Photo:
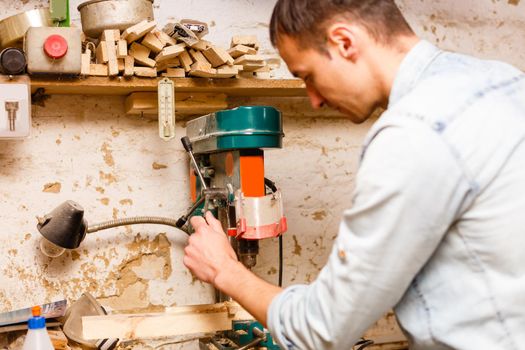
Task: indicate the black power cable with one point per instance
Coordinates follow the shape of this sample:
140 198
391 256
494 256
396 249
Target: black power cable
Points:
280 260
271 186
363 343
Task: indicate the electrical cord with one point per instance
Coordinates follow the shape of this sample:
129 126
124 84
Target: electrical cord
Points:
272 187
270 184
363 343
281 261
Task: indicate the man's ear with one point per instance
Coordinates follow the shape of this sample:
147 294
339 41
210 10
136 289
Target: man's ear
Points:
342 38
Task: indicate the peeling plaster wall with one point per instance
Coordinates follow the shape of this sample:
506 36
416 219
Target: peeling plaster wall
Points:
87 149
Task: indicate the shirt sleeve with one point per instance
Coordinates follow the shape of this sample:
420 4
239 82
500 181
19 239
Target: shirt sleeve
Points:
409 190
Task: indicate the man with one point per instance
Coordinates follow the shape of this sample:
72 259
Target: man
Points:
437 224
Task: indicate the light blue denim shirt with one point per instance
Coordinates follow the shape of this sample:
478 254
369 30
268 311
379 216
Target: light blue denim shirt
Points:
437 225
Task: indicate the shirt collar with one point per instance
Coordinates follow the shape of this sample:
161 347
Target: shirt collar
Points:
412 67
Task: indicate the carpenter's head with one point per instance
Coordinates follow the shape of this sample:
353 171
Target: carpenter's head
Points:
342 49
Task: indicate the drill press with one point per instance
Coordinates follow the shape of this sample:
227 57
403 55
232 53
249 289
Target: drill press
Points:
227 176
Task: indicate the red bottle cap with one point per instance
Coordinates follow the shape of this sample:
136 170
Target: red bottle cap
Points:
55 46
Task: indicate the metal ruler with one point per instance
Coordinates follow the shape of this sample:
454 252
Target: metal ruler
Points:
166 92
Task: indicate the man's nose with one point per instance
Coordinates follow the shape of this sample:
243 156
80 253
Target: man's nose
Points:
316 99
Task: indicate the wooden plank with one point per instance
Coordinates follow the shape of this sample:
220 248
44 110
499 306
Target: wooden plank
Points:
249 59
112 58
110 35
179 321
227 71
171 63
246 40
138 31
186 61
152 42
202 70
122 48
145 72
198 57
98 70
201 45
85 62
164 38
141 54
174 73
102 52
295 107
218 56
129 66
105 86
241 50
139 103
170 52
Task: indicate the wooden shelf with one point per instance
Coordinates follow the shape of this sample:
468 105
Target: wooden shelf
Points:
124 86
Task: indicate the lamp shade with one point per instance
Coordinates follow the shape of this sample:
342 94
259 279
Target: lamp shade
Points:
65 226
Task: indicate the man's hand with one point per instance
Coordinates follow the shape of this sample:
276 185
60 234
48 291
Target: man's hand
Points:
209 252
210 257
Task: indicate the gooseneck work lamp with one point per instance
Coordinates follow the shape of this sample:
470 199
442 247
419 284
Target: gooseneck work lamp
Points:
65 227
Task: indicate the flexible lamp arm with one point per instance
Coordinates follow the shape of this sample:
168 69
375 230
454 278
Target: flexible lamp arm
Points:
132 221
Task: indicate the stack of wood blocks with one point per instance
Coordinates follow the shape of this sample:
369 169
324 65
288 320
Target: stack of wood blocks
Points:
143 50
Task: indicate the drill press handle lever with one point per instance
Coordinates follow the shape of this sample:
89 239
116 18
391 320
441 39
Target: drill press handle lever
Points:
186 143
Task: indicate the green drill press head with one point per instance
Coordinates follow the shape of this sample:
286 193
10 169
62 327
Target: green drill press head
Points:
251 127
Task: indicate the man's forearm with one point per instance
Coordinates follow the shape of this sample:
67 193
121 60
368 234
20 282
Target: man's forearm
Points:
251 292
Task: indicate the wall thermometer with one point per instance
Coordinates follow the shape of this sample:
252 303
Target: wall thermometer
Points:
166 92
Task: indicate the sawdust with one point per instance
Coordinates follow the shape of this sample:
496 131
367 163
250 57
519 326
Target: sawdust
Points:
514 2
104 201
58 141
100 190
28 236
54 187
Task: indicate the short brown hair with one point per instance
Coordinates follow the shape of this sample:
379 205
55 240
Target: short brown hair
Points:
307 20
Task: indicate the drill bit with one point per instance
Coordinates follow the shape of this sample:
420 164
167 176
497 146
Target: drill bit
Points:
11 107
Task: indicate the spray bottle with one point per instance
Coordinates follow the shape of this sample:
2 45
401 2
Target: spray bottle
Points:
37 337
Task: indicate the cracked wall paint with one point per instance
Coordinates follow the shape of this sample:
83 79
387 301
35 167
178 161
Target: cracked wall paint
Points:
88 150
